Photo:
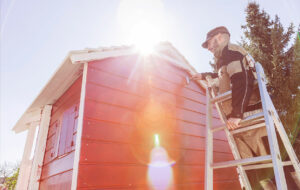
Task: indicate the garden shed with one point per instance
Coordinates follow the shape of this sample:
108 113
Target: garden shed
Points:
112 118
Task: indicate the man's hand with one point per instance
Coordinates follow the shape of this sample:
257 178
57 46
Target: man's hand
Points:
233 123
197 76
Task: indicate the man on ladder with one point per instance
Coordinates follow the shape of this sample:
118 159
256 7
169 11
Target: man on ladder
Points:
236 72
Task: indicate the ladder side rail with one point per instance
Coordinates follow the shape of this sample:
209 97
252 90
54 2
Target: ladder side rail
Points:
273 143
288 146
236 155
209 144
285 139
241 171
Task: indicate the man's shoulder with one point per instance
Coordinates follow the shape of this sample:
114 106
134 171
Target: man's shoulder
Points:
237 48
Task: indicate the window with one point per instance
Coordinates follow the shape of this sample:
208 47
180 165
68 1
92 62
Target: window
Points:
68 130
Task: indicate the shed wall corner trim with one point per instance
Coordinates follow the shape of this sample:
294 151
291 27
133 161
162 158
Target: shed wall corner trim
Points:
79 128
40 148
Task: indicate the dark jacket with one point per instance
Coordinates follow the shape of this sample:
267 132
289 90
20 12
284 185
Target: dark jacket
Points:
233 58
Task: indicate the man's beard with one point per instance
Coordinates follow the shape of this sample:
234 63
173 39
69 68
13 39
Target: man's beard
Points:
218 48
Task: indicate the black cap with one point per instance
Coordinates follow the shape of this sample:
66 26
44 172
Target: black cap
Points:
213 32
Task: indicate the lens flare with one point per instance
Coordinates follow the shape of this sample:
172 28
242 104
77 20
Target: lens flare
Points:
160 173
156 140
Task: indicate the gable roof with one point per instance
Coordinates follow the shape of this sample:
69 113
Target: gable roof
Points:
71 68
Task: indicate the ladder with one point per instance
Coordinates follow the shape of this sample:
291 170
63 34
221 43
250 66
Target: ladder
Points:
267 118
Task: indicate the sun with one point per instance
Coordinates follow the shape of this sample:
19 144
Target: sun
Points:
142 23
145 36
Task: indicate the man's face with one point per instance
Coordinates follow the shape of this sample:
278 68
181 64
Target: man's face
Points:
213 45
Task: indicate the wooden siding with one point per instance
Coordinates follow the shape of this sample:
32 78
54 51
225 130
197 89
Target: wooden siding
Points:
128 100
59 155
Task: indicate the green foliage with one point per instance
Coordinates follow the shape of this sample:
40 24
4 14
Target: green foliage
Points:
270 44
295 73
11 182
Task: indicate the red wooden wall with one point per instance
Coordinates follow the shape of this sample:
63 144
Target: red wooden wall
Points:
59 156
128 100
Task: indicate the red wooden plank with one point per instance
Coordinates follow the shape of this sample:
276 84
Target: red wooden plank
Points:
58 165
104 131
52 144
107 153
116 97
111 96
142 86
134 154
51 141
117 132
115 82
173 74
181 102
52 128
190 116
232 185
130 66
58 182
108 113
125 66
166 70
108 176
145 136
127 116
48 156
176 89
195 173
74 141
196 130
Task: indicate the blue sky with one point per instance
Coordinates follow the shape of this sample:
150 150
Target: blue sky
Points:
37 35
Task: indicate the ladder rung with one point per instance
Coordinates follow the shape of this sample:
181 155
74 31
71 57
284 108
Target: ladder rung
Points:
266 165
221 97
245 122
242 162
243 129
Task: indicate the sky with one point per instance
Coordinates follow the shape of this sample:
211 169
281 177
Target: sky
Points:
36 35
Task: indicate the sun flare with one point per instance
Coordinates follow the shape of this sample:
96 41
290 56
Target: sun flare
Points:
142 23
145 36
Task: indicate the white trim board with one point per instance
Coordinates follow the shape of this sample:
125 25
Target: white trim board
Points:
36 169
79 129
26 163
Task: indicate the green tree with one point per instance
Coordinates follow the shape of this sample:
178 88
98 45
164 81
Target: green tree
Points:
270 44
295 72
11 182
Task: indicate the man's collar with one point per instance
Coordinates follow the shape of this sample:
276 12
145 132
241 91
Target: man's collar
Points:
224 50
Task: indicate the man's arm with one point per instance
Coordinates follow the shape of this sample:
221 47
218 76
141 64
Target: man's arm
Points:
202 76
213 75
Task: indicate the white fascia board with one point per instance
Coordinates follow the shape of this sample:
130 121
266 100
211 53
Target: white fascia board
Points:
91 56
60 81
27 119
